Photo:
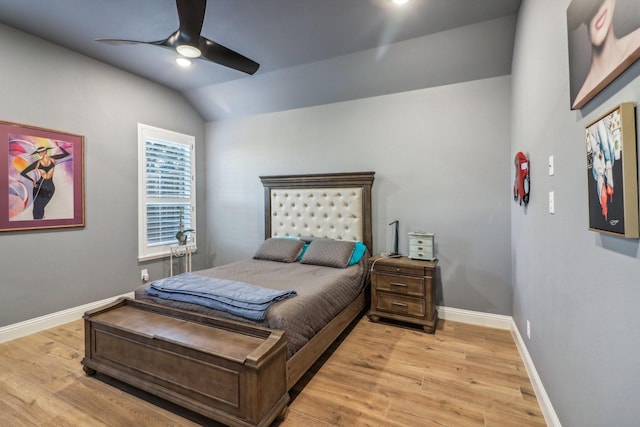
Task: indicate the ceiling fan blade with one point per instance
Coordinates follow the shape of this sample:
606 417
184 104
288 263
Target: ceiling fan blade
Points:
191 16
119 41
224 56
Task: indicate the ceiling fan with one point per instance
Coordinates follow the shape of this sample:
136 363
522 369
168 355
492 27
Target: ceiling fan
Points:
188 41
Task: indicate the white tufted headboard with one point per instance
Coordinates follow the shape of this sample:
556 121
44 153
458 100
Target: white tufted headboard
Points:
336 206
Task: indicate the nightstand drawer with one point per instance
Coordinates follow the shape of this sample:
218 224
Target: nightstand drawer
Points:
421 252
401 305
399 284
418 271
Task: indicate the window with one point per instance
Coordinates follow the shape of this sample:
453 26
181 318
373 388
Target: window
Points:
166 185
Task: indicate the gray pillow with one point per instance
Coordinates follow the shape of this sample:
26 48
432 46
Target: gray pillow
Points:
329 253
281 250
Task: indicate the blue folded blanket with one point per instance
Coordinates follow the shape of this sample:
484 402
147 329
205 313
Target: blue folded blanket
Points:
240 299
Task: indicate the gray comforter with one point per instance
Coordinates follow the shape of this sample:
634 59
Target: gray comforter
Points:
322 293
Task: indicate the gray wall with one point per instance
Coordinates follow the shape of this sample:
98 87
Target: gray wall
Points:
442 164
579 289
42 272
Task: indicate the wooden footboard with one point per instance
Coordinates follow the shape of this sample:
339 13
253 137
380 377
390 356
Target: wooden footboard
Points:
228 371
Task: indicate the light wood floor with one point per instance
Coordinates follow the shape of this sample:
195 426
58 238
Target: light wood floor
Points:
377 375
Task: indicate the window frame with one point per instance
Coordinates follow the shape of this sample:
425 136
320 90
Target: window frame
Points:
145 132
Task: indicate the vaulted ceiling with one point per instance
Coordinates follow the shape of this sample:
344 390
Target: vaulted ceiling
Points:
311 52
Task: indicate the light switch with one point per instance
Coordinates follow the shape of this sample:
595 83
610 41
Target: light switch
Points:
552 203
550 165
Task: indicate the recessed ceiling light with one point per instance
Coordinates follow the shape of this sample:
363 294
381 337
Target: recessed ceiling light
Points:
188 51
400 1
183 62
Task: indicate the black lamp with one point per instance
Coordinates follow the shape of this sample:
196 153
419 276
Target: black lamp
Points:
395 238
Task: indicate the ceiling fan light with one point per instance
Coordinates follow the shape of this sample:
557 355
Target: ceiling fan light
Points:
188 51
183 62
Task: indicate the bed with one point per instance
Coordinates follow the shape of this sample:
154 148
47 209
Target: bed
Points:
320 208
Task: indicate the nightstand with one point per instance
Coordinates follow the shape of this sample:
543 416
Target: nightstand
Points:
404 289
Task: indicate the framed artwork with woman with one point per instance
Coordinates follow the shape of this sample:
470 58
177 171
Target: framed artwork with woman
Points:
604 40
41 178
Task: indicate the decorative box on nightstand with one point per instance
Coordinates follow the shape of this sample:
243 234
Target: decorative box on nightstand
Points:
422 246
404 289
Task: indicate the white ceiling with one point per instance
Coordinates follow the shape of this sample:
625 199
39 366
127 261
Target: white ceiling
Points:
311 52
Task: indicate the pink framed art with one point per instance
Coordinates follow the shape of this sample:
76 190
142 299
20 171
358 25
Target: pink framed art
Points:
41 178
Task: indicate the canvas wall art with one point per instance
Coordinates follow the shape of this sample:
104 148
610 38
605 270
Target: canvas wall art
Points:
604 40
612 176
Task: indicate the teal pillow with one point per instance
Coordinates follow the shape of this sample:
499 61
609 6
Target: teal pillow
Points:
304 249
358 252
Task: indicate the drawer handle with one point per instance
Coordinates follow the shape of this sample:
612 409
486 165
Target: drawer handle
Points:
399 304
420 241
404 285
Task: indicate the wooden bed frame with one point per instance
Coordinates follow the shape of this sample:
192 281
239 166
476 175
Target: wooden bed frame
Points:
337 206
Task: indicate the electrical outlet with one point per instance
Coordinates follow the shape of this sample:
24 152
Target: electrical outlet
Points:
144 274
551 171
528 329
552 203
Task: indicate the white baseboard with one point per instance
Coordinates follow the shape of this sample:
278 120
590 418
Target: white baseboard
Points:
506 322
498 321
549 413
38 324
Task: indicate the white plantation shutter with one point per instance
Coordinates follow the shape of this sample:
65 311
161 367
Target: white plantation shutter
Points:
167 189
163 222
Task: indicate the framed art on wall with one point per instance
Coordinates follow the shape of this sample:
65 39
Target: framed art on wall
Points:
41 178
612 175
604 40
